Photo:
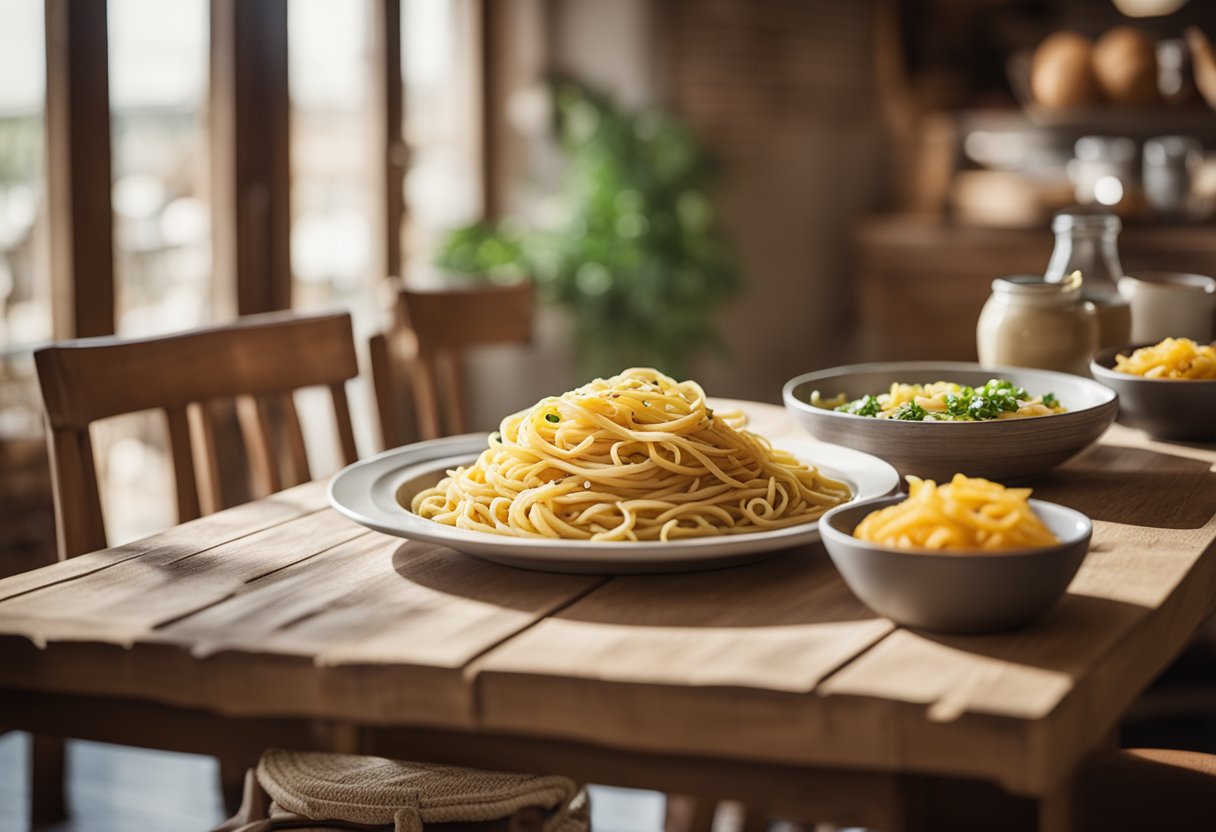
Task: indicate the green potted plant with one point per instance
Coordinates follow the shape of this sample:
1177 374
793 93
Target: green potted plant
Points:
637 260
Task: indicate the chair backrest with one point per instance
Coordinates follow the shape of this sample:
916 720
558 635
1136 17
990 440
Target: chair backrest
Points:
437 326
257 361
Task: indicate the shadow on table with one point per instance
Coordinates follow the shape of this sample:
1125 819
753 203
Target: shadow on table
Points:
1068 638
1136 487
797 587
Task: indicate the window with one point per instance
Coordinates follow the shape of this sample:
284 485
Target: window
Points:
162 237
440 67
158 87
25 310
332 158
333 166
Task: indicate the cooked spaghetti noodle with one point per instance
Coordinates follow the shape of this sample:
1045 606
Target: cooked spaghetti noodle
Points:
633 457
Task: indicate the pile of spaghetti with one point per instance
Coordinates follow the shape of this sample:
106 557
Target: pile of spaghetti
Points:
633 457
966 514
1173 358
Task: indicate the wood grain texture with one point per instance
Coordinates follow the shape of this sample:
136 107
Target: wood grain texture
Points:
1139 596
206 460
181 451
1019 707
314 616
187 538
254 419
282 610
80 528
382 378
250 156
94 378
388 99
441 326
258 361
654 661
378 630
78 174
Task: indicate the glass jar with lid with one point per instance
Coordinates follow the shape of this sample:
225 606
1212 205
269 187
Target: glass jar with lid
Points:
1029 322
1089 243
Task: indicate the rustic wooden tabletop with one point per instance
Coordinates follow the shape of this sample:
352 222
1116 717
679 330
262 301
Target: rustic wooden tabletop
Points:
282 612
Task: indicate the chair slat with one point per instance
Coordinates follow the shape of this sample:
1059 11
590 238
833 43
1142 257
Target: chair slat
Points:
346 433
426 397
293 436
255 429
454 387
394 355
206 461
384 386
79 525
184 480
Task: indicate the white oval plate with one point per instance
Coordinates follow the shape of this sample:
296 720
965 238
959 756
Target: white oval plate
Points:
366 492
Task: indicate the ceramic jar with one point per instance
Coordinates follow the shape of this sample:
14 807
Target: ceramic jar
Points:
1029 322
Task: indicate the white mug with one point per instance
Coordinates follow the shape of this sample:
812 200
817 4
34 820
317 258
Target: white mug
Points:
1170 305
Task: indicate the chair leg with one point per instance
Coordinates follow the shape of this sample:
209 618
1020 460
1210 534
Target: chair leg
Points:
254 807
689 814
232 782
48 783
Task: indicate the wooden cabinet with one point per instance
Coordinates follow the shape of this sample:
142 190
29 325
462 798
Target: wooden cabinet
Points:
923 280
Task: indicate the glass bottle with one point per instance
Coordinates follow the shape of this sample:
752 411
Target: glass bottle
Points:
1089 243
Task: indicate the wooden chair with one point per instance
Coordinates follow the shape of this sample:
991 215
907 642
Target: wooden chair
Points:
433 330
257 361
1137 789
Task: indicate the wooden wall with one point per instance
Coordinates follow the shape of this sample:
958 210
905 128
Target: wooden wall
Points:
783 91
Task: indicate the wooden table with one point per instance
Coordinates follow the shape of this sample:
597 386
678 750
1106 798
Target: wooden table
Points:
282 622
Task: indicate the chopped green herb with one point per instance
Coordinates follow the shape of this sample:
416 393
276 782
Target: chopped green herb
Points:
552 417
865 406
967 404
909 412
957 403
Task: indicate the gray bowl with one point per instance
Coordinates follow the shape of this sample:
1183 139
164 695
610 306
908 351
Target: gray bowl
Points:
1006 449
957 593
1183 409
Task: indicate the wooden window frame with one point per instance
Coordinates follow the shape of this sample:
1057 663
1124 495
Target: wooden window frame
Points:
78 168
250 157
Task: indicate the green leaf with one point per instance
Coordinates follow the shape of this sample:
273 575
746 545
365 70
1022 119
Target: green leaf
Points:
865 406
638 260
909 412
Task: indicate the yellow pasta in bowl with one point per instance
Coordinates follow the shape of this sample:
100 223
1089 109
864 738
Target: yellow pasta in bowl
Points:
1167 389
965 515
970 556
1171 358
